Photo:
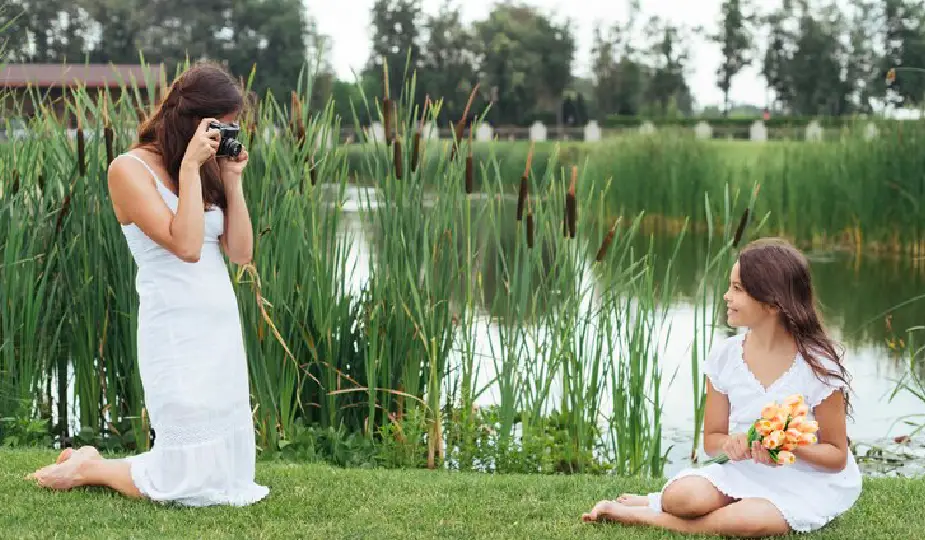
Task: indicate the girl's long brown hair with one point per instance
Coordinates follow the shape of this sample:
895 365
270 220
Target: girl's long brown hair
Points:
205 90
777 274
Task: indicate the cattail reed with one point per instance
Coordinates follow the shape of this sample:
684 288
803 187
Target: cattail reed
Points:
469 180
15 188
740 230
296 124
313 173
529 225
397 159
81 149
416 147
524 188
605 245
386 104
108 133
571 206
461 125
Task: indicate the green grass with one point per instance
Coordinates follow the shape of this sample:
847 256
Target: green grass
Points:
314 501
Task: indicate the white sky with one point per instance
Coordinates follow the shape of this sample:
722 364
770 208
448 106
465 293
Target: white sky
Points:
347 22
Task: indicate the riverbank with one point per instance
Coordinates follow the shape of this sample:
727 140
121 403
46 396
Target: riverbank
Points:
317 501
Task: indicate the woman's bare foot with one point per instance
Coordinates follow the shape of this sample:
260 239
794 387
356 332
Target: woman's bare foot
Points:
631 499
613 511
64 455
65 473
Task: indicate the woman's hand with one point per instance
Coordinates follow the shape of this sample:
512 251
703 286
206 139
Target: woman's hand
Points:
762 455
737 448
232 168
203 145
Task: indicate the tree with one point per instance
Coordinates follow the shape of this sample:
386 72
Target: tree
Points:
904 45
667 90
448 60
735 40
271 36
526 62
396 41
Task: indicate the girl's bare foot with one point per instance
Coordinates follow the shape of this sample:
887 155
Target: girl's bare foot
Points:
631 499
613 511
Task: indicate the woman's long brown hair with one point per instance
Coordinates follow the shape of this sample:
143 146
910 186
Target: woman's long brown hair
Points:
777 274
205 90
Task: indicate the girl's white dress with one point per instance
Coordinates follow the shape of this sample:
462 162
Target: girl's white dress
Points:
806 496
193 369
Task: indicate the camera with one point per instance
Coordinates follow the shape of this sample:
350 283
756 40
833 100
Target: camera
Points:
229 145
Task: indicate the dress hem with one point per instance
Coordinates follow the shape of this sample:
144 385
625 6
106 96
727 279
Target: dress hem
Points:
742 494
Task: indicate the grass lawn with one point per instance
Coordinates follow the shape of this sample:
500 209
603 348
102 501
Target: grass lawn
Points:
317 501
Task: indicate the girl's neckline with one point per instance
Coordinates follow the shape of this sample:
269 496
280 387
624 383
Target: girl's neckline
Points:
784 375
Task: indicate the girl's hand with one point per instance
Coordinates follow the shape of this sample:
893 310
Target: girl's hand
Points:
737 448
761 455
232 168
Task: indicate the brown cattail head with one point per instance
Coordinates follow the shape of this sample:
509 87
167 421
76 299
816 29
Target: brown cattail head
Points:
740 230
296 124
522 197
571 205
41 181
313 173
387 119
81 149
605 245
469 173
397 159
15 188
65 207
461 125
415 151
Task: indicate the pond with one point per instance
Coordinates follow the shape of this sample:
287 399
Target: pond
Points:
861 300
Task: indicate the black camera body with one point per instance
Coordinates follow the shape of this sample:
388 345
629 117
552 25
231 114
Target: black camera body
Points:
229 145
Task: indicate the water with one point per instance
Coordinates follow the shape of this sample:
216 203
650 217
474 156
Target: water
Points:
858 298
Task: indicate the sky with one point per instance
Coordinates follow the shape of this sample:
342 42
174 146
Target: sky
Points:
347 22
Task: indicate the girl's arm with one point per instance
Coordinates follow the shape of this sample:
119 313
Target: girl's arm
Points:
831 450
715 421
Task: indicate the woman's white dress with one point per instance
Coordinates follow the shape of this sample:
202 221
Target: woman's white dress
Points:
193 369
807 497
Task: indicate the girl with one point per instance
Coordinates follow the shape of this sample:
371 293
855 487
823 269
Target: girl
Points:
785 351
181 208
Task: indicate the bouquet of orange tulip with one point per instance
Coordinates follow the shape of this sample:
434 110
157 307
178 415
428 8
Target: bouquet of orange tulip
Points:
781 429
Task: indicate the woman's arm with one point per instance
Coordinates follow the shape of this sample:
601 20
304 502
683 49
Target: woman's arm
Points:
831 450
139 202
238 239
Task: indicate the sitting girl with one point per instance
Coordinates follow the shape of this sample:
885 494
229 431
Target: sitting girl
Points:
784 352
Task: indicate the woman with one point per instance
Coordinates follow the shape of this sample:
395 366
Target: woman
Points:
180 208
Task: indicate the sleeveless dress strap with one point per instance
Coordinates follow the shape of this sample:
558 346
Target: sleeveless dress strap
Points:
148 167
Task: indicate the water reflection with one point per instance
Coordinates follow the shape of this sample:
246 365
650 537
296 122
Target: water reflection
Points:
857 298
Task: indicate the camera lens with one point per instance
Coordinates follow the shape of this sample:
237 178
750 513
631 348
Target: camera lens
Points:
234 147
